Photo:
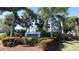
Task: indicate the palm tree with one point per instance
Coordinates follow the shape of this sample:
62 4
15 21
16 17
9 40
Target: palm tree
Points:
16 18
44 13
27 18
72 23
47 12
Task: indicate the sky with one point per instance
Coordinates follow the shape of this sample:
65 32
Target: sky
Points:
72 11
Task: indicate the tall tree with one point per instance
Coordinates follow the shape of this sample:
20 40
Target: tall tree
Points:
47 12
16 18
44 13
72 24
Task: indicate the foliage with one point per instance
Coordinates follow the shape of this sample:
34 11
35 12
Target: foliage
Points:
47 12
45 34
31 40
45 44
23 32
18 35
8 43
24 22
0 42
2 35
55 34
11 41
44 38
28 38
70 22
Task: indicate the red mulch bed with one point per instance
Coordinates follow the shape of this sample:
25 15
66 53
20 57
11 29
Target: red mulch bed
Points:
20 48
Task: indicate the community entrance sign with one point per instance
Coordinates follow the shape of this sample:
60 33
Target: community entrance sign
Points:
32 34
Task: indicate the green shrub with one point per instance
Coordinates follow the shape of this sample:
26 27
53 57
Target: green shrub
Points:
0 42
42 42
45 34
28 38
40 39
32 41
9 43
55 34
2 35
46 44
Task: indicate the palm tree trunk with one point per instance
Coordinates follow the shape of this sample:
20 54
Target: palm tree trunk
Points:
61 24
13 21
46 25
12 28
76 30
61 31
51 33
51 29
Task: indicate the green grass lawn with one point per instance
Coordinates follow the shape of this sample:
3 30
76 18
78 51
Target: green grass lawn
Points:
71 46
0 42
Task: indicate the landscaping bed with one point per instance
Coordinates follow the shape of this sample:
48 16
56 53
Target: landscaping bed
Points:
44 43
10 41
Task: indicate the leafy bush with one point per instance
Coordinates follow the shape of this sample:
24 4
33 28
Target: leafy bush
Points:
45 43
10 41
31 41
40 39
0 42
48 44
55 34
34 40
18 35
45 34
28 38
23 32
2 35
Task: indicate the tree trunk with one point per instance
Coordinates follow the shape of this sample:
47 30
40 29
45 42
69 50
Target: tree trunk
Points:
46 25
76 30
12 28
13 21
51 33
51 29
61 30
61 24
